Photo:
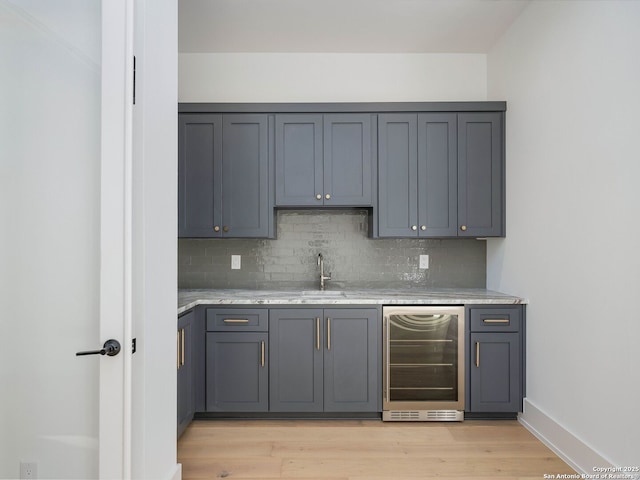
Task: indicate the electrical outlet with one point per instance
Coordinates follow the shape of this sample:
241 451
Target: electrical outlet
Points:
235 262
28 470
424 261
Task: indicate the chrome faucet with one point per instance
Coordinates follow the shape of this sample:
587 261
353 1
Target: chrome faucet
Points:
323 277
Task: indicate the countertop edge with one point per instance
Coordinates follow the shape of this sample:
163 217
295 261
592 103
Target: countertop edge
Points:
189 299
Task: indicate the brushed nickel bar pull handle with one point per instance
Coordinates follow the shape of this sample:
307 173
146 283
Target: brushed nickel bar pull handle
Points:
328 333
183 333
235 320
495 320
317 333
477 354
262 354
178 349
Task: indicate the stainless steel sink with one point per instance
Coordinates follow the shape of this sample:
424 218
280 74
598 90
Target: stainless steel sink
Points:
323 293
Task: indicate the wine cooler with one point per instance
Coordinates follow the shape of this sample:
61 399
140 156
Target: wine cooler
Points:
423 372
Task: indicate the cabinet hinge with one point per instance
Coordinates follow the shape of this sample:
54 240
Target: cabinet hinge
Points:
134 79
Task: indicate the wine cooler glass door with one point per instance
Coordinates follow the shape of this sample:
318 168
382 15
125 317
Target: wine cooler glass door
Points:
424 347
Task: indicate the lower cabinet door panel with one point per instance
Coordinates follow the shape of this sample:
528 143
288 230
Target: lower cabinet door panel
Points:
185 364
295 338
495 372
237 372
324 360
350 361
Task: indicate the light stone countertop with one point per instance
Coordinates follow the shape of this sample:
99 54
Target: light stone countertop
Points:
188 299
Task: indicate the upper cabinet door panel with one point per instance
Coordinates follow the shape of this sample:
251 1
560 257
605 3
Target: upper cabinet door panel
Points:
437 175
245 174
397 171
348 160
299 171
199 156
480 175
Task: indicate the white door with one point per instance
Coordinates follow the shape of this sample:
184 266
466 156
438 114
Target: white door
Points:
65 143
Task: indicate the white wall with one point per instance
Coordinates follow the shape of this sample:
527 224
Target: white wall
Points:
331 77
570 74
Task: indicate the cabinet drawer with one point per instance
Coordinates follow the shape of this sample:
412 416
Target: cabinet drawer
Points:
499 319
237 319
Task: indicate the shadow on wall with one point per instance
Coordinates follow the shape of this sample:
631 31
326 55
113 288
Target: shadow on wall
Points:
352 259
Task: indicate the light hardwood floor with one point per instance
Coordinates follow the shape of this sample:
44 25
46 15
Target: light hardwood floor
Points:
363 450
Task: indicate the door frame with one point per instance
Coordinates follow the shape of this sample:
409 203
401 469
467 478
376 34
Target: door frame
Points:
116 213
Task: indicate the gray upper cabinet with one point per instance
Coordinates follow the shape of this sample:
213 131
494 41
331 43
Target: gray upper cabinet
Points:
299 163
325 160
418 175
199 167
480 175
441 175
426 169
223 176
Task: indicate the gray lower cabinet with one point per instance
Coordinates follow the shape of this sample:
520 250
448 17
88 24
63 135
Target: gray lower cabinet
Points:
324 360
237 372
441 175
496 354
224 179
237 349
185 365
325 160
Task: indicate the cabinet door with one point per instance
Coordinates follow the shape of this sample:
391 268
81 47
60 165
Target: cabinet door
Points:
295 340
437 175
299 171
480 175
398 175
495 372
246 204
351 360
348 160
237 372
199 157
184 363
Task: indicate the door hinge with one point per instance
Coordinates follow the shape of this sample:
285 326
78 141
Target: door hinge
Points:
134 79
133 346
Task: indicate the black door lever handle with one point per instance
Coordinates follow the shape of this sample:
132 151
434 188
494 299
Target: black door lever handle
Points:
111 348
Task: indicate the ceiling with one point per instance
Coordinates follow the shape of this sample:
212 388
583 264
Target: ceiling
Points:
344 26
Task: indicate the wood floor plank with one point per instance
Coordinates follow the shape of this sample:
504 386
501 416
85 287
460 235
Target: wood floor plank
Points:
374 449
216 467
418 467
364 450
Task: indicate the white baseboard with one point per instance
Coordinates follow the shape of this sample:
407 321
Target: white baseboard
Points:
563 443
177 473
